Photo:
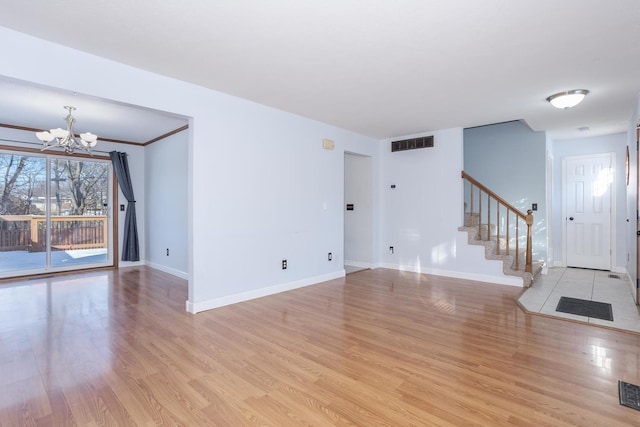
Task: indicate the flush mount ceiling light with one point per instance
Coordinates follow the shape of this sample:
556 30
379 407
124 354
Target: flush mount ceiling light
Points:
567 99
67 139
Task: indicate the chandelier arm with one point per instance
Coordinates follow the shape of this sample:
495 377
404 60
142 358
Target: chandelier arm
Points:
69 142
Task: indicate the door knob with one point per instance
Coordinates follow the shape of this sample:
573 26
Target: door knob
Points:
570 218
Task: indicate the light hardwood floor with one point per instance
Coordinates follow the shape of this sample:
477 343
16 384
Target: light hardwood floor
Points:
377 348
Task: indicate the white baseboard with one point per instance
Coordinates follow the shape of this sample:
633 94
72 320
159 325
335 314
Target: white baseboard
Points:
618 269
632 287
125 264
615 269
359 264
172 271
501 280
196 307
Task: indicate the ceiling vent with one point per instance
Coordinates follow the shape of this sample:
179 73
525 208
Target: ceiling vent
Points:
412 144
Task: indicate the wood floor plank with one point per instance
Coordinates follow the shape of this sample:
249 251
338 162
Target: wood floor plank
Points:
62 415
24 402
376 348
140 401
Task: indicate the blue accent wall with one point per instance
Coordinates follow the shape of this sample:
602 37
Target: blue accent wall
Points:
509 158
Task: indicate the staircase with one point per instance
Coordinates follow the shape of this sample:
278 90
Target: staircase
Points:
495 224
508 261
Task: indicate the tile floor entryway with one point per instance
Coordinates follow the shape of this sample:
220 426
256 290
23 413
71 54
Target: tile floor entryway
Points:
594 285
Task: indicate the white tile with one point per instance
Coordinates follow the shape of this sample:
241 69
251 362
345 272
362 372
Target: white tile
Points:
580 293
565 315
629 325
577 273
602 322
533 302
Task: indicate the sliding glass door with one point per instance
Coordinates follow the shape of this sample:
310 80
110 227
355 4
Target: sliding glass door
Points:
54 213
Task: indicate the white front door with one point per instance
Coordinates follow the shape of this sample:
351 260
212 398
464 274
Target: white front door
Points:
588 183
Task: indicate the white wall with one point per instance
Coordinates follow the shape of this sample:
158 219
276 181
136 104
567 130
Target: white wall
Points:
358 225
420 217
258 177
268 192
594 145
166 172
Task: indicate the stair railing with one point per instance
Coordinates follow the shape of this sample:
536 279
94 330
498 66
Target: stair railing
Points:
484 227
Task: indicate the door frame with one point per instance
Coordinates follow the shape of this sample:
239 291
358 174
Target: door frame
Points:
612 212
637 206
365 261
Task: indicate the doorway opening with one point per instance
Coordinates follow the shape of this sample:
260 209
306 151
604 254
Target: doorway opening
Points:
358 216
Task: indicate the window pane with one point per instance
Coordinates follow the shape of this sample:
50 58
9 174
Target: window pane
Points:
79 200
22 213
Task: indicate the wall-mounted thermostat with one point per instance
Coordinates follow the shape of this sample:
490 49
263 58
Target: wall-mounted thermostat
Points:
328 144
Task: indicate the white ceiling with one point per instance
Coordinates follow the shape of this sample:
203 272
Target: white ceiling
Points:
377 67
39 107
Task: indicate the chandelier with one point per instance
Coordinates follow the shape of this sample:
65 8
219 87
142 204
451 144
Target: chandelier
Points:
67 139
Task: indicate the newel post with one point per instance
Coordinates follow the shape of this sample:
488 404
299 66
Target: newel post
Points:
528 268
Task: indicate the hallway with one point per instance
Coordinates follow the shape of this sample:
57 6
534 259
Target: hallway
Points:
594 285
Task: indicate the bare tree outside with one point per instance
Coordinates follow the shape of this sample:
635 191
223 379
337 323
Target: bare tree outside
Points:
84 182
78 187
19 183
57 172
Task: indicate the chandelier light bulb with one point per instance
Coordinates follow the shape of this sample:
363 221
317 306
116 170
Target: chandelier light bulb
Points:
44 136
59 133
88 139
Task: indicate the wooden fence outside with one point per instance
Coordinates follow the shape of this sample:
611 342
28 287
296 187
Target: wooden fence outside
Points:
28 232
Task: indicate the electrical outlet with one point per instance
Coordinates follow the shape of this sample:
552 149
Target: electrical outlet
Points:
167 251
284 264
330 256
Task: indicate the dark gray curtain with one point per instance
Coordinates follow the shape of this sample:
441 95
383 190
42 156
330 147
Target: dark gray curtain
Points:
130 248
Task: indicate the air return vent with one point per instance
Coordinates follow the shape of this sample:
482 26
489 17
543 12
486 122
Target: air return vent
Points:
412 144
